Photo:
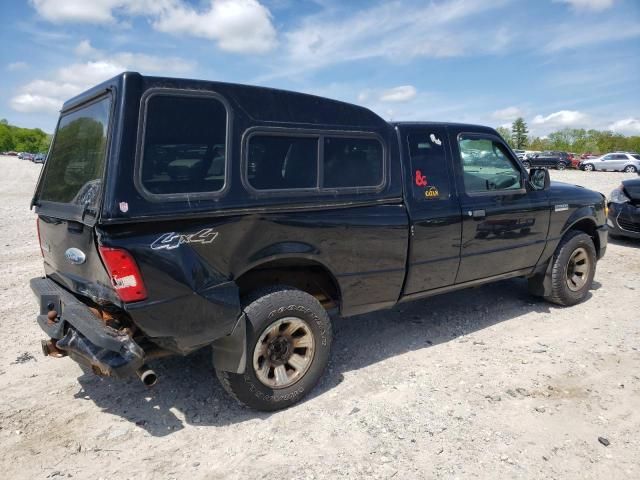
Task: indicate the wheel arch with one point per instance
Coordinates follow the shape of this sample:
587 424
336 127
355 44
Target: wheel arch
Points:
587 225
304 272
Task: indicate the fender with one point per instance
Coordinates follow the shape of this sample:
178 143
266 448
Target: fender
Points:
587 212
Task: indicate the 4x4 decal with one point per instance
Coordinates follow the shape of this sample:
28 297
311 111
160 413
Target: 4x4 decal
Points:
171 240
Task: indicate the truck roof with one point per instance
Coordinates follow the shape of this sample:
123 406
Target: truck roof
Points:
469 126
260 103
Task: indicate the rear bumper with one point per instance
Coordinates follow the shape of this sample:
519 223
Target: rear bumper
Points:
78 332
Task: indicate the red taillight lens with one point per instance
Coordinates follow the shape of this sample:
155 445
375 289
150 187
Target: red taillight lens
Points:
124 273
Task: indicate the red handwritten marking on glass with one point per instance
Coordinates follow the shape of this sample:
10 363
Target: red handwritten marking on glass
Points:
421 180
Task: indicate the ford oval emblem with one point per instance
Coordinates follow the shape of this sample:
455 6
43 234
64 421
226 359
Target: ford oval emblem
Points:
75 256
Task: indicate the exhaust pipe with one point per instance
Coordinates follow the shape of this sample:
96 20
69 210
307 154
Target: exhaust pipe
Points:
147 376
49 349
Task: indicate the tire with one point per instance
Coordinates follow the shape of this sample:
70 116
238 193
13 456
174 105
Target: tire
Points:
560 166
526 164
575 254
630 169
588 167
282 324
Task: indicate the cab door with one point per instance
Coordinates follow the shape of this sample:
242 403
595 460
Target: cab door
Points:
434 248
505 224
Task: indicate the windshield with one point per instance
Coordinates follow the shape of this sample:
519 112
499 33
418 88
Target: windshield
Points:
73 173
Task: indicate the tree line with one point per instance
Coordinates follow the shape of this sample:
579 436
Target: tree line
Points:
576 140
17 139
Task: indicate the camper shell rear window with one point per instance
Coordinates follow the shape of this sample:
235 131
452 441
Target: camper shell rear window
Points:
74 170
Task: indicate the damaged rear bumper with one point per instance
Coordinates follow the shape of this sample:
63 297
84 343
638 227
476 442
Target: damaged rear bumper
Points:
76 331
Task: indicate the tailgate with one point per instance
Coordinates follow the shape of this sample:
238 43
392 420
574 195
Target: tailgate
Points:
71 258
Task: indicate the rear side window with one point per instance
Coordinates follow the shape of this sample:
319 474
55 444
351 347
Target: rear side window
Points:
313 161
429 165
352 162
184 144
278 162
75 166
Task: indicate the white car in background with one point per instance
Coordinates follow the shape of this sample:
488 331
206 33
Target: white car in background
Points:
619 162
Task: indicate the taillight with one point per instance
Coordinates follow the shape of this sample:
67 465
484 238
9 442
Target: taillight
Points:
39 238
125 274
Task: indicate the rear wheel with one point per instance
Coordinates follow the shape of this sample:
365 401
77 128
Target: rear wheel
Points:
573 268
630 169
588 167
288 343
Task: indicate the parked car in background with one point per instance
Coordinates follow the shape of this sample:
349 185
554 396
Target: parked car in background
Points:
624 210
575 160
520 153
39 158
548 159
617 162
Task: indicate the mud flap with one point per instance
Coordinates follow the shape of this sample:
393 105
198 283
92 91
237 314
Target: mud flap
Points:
230 352
540 282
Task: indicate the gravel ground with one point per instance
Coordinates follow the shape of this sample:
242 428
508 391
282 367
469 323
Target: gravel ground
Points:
487 383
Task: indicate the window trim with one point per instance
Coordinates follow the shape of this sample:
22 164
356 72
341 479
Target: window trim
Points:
140 141
320 135
515 162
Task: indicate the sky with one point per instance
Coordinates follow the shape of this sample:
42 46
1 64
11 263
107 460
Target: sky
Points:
556 63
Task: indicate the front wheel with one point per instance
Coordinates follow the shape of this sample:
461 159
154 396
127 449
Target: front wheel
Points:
526 164
588 168
630 169
561 166
573 268
288 342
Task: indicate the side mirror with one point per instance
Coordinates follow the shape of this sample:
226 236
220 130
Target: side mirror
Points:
539 178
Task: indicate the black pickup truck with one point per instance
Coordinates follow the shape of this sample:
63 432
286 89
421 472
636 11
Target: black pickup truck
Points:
179 214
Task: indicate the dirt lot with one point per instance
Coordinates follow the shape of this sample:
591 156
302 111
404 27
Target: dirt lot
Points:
487 383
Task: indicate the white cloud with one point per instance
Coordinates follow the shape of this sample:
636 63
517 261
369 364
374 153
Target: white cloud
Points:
393 30
94 11
591 5
563 118
627 126
566 36
403 93
241 26
84 49
506 114
237 25
28 103
48 95
15 66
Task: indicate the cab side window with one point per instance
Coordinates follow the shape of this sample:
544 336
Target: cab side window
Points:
428 166
487 166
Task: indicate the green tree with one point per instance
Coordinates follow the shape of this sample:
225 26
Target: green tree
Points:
519 133
505 133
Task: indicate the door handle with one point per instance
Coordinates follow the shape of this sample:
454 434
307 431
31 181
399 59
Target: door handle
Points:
477 213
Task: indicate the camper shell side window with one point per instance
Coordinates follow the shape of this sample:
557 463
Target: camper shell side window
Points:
183 145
